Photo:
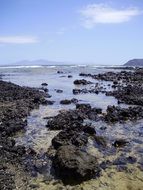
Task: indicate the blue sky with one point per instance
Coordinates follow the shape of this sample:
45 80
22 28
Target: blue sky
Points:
79 31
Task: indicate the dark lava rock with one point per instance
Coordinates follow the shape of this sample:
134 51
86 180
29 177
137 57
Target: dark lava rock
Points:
103 128
90 130
45 89
93 89
60 72
85 107
67 119
19 149
15 105
78 91
120 143
100 141
68 137
131 159
49 102
74 166
44 84
122 160
118 114
74 118
7 180
65 101
73 100
58 90
115 82
70 76
82 82
130 94
91 113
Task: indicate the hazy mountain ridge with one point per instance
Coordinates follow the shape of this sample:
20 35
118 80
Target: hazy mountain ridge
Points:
135 63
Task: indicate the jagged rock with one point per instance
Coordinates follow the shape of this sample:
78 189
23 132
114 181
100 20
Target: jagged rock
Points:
74 166
82 82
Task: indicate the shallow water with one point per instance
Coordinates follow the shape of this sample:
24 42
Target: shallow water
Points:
117 176
34 77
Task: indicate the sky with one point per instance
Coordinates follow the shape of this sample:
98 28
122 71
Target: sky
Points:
103 32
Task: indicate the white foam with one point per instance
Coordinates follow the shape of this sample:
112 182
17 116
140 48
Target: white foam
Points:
20 66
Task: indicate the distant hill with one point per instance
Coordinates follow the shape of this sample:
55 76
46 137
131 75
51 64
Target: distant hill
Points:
135 63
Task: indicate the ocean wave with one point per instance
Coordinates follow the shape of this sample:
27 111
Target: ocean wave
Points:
20 66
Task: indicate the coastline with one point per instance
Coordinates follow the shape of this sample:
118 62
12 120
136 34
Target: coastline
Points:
74 133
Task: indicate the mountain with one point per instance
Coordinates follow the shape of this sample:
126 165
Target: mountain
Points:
135 63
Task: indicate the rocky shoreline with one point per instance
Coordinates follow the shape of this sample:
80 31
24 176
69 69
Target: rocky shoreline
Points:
15 105
68 156
75 133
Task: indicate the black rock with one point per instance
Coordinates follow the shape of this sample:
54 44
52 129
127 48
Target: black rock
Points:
44 84
83 106
120 143
90 130
74 166
65 101
60 72
58 90
70 137
82 82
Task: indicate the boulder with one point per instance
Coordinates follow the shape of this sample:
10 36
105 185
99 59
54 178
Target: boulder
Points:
73 165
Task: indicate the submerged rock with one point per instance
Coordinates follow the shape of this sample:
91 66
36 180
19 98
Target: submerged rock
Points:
120 143
65 101
100 141
82 82
44 84
90 130
49 102
60 72
73 165
58 90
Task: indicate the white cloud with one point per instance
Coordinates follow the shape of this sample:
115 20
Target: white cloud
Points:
18 39
101 13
